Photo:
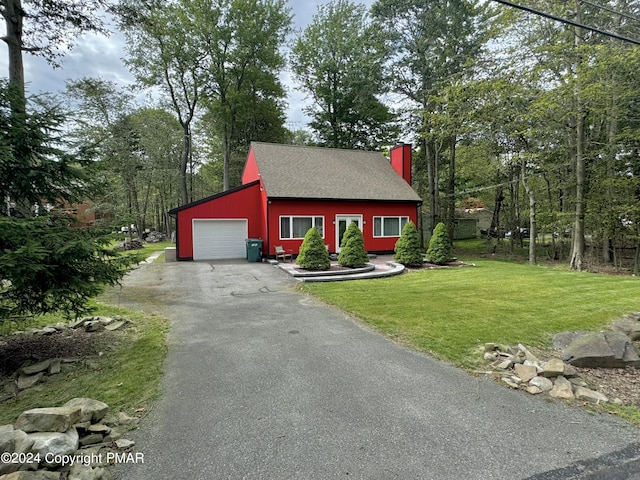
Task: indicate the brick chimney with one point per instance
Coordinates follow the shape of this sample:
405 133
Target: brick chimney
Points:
401 161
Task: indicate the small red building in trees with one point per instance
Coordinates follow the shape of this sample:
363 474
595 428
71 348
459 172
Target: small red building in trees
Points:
288 189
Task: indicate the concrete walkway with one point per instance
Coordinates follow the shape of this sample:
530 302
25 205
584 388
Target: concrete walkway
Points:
265 383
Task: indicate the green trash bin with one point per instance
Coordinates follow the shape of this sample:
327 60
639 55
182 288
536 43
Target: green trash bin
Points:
254 249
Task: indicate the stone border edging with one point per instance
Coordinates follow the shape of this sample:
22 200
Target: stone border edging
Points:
325 273
354 274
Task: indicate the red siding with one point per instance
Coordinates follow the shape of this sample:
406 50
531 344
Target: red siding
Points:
250 172
329 210
401 161
241 203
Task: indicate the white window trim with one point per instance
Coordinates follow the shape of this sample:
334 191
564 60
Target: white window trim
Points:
382 218
291 217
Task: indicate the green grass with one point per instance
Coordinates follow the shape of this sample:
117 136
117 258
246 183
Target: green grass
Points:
148 249
449 313
126 377
509 251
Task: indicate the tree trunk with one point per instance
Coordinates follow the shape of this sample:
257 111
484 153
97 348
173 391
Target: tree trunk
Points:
636 262
451 188
533 233
226 146
433 175
612 133
13 16
184 162
495 220
577 250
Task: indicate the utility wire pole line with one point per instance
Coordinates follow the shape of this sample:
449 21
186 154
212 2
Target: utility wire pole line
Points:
568 22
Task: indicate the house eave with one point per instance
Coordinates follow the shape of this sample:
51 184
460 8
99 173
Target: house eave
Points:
175 210
347 200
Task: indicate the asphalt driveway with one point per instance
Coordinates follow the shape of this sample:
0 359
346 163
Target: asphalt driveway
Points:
263 382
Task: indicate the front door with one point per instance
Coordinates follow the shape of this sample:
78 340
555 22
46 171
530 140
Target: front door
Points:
342 222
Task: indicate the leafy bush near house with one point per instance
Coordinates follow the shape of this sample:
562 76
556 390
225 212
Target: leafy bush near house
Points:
313 254
352 252
408 248
439 251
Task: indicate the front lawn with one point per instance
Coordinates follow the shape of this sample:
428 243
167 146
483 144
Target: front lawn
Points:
449 313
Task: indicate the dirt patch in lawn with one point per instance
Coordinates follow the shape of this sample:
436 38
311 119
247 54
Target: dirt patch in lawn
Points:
615 383
18 350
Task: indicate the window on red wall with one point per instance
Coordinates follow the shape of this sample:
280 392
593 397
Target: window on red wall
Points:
388 226
295 228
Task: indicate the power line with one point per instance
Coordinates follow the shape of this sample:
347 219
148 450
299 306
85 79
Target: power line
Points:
518 179
569 22
611 10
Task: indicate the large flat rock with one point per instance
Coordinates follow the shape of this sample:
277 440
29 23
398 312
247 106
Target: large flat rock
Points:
610 349
51 419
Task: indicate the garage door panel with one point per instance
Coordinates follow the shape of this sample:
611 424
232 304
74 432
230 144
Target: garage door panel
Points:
216 239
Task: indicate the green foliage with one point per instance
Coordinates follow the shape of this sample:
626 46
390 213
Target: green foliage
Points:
339 60
408 247
37 164
222 55
439 251
313 254
47 266
352 252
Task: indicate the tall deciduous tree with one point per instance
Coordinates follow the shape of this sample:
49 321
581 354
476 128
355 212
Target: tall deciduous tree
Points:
164 53
339 61
138 151
223 51
435 43
242 40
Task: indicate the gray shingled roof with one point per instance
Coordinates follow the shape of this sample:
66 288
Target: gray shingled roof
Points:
291 171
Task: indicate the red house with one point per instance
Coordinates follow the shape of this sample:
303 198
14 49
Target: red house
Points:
288 189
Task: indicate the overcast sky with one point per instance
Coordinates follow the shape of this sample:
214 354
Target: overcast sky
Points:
97 56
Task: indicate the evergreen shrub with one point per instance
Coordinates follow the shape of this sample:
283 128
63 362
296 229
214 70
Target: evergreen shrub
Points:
352 252
439 251
408 249
313 254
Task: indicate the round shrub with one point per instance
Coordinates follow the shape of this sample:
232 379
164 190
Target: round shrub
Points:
408 248
439 251
313 254
352 252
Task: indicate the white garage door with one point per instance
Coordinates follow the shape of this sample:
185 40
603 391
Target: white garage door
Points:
219 239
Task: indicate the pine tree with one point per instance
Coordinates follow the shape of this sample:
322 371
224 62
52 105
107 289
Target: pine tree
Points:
439 251
408 247
352 252
313 254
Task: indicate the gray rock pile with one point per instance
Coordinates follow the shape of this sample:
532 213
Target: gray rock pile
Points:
35 372
155 237
520 369
76 442
128 244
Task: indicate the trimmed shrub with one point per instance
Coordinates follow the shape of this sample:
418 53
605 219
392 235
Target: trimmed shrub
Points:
352 252
408 248
313 254
439 251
